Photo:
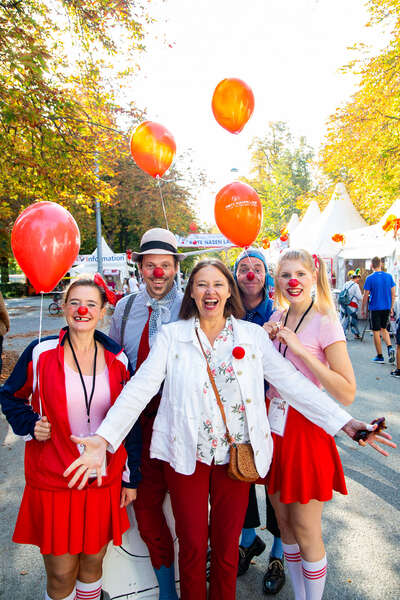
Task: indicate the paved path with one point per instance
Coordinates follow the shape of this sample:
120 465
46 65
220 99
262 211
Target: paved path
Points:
361 530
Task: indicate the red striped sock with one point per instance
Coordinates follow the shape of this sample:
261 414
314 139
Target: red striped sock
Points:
88 591
293 562
314 578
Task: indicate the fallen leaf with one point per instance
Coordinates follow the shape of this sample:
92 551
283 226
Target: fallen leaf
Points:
23 572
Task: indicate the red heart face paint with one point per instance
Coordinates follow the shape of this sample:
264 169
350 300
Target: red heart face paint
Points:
158 272
293 283
250 275
82 310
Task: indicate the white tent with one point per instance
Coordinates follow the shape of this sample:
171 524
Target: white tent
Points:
113 264
306 230
340 216
294 222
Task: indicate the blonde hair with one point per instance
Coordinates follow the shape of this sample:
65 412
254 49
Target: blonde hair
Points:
324 302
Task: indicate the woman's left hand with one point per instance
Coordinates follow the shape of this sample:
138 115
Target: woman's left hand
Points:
128 495
373 439
288 337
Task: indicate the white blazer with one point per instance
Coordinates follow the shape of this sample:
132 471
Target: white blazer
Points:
176 359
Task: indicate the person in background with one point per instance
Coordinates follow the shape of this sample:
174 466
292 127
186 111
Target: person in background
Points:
396 372
349 311
81 372
135 324
125 287
133 284
379 292
110 282
4 326
251 275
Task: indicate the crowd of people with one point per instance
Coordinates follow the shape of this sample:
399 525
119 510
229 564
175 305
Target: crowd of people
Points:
160 404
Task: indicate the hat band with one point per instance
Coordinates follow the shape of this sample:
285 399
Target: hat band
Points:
158 245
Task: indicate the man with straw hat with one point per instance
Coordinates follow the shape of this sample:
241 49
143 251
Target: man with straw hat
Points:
135 324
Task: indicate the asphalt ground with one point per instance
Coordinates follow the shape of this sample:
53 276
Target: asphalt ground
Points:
361 530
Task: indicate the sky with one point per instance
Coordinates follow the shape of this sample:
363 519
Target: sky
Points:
288 51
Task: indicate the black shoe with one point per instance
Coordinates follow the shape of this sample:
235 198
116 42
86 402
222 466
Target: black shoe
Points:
395 373
105 595
274 578
246 554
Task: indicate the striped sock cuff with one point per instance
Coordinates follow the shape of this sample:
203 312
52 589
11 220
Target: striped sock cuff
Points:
88 591
315 570
291 552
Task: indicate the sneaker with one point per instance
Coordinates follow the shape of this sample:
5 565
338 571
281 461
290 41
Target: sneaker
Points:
378 359
395 373
392 355
274 578
246 554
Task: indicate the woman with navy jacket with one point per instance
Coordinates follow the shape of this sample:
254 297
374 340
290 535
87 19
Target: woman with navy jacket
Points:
189 433
60 386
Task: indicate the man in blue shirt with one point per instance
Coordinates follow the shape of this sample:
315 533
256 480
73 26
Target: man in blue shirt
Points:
379 289
253 279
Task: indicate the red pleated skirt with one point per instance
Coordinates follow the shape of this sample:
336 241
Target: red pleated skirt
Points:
305 463
71 521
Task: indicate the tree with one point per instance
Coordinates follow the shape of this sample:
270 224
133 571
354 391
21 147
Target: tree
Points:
281 174
363 141
58 113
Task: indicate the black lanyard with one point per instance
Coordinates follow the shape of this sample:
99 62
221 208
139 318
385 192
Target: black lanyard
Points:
297 326
88 403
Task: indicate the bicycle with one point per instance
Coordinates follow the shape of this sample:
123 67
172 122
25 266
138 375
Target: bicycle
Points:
55 306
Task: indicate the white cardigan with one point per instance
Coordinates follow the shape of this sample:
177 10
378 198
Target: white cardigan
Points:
176 359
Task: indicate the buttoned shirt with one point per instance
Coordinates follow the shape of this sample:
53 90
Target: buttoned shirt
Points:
212 443
137 318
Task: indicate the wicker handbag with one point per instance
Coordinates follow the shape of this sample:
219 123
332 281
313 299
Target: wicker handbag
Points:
241 456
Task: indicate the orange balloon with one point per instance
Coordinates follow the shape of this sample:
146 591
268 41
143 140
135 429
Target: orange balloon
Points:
232 104
45 241
238 213
153 148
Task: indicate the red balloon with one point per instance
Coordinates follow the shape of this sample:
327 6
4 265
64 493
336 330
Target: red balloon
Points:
153 148
45 241
238 213
232 104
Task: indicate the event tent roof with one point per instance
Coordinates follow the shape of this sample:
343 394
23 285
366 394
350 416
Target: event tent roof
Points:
306 229
339 216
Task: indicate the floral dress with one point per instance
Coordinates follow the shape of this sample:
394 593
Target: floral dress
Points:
212 443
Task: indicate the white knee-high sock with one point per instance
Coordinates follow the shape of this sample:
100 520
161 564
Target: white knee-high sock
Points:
72 596
88 591
293 561
314 578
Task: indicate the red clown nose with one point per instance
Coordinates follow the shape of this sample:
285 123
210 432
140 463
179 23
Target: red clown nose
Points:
293 282
250 275
82 311
158 272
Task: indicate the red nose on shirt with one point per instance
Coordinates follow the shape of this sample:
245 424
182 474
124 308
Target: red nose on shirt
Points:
82 310
250 275
294 282
158 272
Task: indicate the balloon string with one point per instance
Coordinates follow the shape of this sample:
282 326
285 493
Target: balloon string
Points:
40 336
162 203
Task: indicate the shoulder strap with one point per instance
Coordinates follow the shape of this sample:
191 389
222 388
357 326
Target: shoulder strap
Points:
217 396
125 316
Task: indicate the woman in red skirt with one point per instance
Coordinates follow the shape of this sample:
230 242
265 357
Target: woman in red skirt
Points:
306 467
71 381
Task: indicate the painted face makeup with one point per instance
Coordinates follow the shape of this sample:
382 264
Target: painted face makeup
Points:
82 311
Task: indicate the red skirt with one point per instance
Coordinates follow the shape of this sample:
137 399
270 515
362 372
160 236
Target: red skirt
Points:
71 521
305 463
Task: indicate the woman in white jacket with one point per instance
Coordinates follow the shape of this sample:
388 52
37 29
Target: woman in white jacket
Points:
189 434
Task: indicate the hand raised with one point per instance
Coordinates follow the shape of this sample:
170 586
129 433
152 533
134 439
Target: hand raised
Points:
91 459
42 430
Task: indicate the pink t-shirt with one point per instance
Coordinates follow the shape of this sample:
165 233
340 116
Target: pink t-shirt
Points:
101 402
318 333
